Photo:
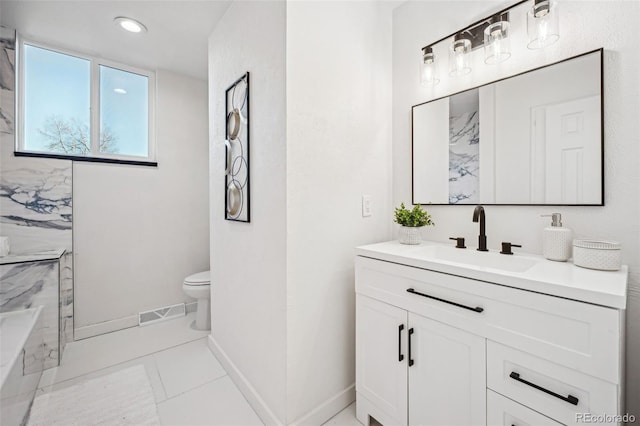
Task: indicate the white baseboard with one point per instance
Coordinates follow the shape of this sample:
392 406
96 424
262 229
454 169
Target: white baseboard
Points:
105 327
328 409
317 416
117 324
257 403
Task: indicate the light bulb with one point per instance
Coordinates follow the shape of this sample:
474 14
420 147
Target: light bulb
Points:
496 40
459 55
428 67
543 24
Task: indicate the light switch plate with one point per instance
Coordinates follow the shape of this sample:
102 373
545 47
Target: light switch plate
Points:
366 205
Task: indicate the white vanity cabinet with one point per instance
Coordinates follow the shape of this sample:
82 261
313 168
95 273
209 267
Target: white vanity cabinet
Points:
404 359
435 347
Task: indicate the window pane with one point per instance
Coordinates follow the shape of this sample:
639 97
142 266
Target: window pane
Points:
56 102
124 112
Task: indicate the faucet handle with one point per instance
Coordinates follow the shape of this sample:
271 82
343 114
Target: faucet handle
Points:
459 242
506 247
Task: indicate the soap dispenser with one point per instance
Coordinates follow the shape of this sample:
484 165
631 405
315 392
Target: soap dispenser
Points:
556 240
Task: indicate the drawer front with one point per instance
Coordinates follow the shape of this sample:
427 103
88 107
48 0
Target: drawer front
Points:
558 392
579 335
503 411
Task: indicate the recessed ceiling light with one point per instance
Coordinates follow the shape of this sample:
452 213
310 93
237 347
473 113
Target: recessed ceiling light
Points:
120 91
130 25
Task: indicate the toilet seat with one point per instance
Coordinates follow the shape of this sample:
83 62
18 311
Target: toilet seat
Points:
201 278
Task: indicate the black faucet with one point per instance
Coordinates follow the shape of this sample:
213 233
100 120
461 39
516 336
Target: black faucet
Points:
478 215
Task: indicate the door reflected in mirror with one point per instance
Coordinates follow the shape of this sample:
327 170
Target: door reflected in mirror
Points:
532 139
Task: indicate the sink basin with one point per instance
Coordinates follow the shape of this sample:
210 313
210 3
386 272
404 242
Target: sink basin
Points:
477 259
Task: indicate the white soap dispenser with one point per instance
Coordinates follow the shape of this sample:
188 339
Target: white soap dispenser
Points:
556 240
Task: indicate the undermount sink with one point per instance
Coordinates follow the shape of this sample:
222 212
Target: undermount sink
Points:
471 257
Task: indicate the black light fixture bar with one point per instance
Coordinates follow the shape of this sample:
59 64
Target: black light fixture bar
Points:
475 34
478 27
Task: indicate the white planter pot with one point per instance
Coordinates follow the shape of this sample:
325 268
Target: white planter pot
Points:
410 235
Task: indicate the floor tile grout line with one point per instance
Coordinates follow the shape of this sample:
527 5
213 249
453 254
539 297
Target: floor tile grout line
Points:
197 387
84 379
164 389
123 362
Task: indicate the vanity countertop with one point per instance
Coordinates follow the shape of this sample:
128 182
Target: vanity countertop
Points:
524 271
32 257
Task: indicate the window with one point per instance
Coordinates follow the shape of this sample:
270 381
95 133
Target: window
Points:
84 108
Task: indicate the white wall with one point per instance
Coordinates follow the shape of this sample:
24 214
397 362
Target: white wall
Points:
282 286
139 231
338 148
248 268
585 26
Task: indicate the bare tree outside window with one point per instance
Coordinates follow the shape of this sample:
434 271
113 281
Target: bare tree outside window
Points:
72 137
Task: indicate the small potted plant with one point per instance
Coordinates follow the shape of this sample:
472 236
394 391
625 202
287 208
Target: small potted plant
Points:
410 222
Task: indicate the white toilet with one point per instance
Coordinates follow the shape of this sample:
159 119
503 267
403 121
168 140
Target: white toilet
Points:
198 286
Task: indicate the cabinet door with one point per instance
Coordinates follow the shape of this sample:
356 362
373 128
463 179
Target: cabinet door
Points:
381 357
447 375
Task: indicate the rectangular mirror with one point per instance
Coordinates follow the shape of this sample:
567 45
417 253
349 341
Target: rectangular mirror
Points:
532 139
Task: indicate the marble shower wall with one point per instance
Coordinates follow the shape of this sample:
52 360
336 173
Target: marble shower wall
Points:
28 285
35 193
7 79
66 300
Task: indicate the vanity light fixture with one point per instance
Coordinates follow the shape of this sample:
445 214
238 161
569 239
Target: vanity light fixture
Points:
428 67
496 40
543 24
130 25
459 53
494 35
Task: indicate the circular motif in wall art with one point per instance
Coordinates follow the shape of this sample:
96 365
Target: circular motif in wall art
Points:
239 171
233 124
234 199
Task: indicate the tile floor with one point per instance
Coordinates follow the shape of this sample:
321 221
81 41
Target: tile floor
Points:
189 384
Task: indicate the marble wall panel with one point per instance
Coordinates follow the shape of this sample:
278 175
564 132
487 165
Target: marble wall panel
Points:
7 79
22 375
66 300
31 284
35 194
36 203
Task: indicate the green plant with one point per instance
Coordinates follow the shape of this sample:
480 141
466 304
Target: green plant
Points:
413 218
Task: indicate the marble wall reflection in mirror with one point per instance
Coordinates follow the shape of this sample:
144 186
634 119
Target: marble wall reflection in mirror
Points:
532 139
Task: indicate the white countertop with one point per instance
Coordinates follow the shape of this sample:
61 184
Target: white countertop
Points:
562 279
32 257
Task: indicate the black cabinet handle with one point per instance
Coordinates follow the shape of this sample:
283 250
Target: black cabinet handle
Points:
570 398
476 309
410 360
400 356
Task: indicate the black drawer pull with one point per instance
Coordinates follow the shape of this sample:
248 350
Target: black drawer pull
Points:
410 334
400 356
570 398
476 309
